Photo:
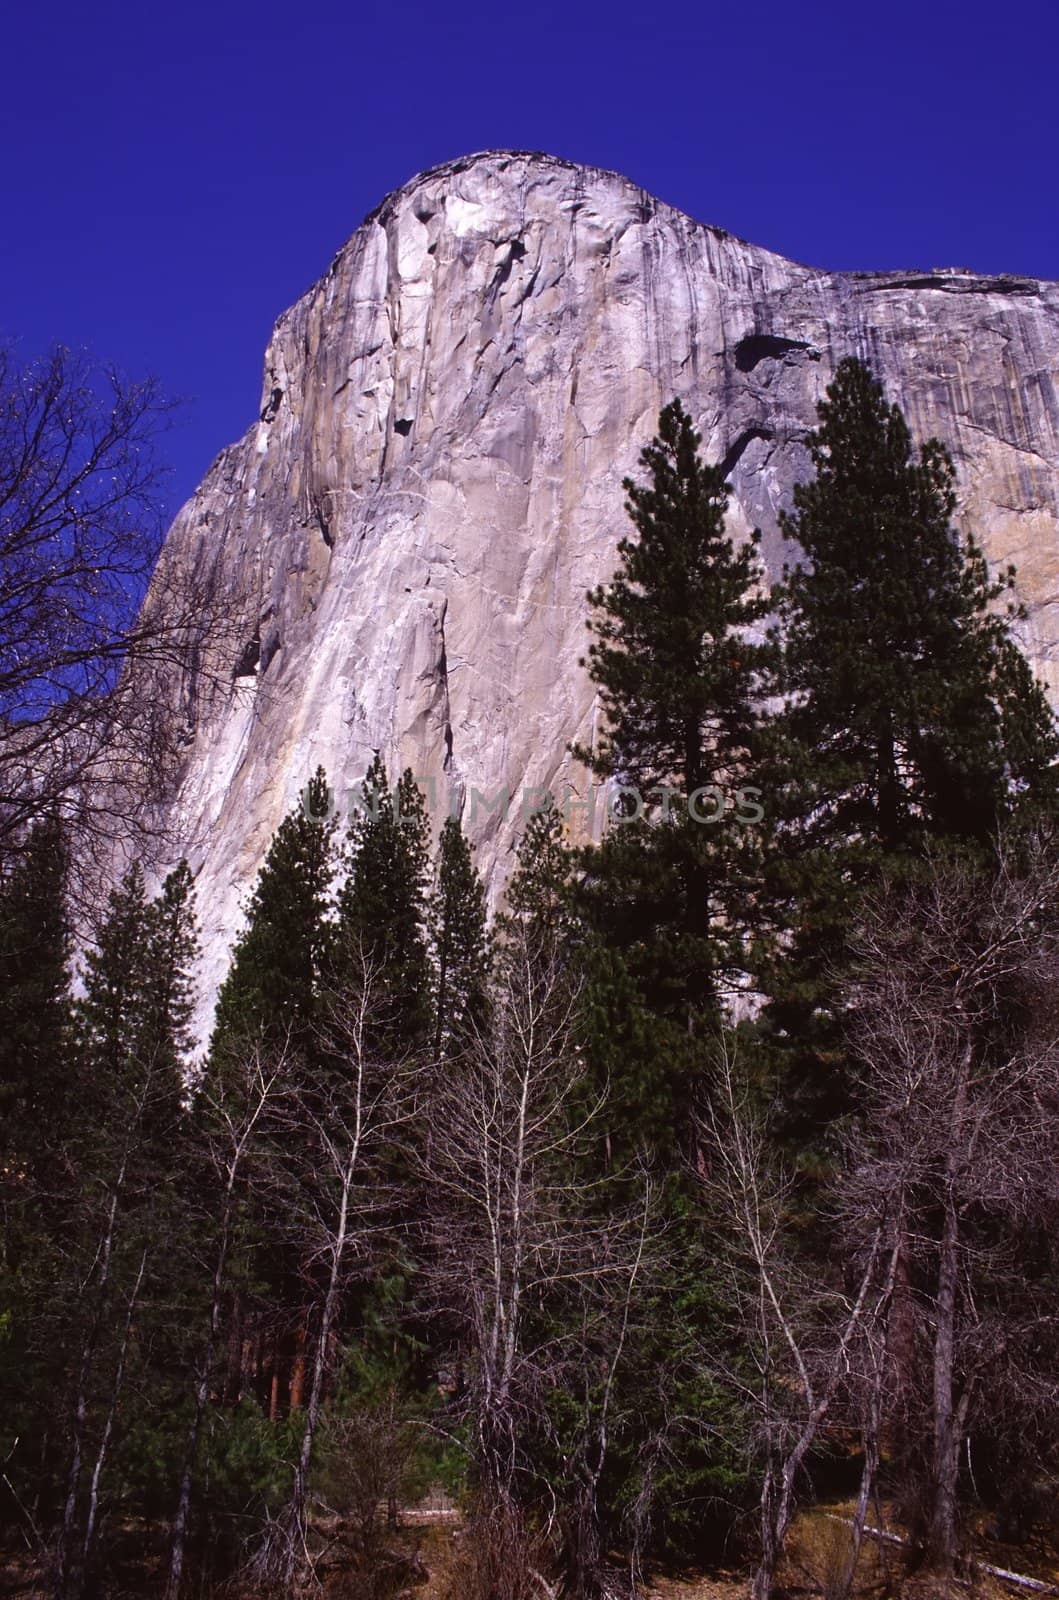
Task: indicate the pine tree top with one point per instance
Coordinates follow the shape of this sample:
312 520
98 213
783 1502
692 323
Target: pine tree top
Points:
679 653
909 698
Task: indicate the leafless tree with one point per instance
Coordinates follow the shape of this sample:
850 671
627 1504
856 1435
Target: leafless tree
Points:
370 1450
800 1334
98 664
235 1115
531 1273
624 1264
108 1248
957 1036
106 1436
335 1171
499 1126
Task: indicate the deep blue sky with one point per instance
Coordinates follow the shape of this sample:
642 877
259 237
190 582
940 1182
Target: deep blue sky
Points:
174 175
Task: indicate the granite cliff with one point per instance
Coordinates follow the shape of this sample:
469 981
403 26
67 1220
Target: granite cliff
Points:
407 533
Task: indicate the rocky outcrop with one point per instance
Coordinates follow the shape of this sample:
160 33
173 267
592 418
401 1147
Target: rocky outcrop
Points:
409 529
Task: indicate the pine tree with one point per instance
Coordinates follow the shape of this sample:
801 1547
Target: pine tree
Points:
383 964
635 1060
36 1110
681 665
460 940
122 1163
683 662
912 718
635 1098
112 1014
34 979
541 889
276 1007
383 906
911 707
172 951
132 1021
272 996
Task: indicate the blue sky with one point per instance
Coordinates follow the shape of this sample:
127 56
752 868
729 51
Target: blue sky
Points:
175 175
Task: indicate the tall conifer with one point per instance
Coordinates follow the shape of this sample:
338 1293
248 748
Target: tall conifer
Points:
681 663
132 1021
34 978
383 905
460 941
912 718
172 951
911 707
112 1013
541 889
272 994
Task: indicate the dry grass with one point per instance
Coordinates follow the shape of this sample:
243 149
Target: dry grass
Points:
718 1587
817 1550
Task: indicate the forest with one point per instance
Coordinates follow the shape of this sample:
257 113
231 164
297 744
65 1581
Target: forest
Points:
713 1179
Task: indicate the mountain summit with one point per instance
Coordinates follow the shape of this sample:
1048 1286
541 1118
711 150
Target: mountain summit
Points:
408 531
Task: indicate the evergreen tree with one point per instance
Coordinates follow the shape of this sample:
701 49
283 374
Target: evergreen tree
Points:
670 1487
681 669
112 1015
540 892
683 663
114 1322
460 941
132 1021
103 1132
383 906
635 1059
172 951
383 962
35 1111
34 978
912 711
273 992
277 1003
911 715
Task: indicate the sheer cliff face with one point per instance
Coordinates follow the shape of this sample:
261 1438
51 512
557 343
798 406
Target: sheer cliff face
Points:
435 481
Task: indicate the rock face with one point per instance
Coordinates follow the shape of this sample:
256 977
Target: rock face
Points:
435 479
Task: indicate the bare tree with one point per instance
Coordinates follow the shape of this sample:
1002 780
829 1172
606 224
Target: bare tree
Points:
108 1228
800 1335
370 1456
624 1263
336 1182
235 1114
958 1041
500 1123
97 663
529 1270
103 1448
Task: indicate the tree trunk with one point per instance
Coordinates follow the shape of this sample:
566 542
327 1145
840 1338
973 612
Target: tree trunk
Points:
868 1476
297 1380
178 1544
293 1522
945 1464
233 1377
67 1583
941 1536
274 1388
108 1428
777 1506
873 1422
765 1574
901 1335
888 794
